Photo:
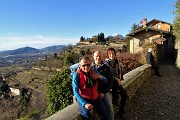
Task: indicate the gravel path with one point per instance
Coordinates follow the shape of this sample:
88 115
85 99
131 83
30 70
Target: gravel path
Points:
158 98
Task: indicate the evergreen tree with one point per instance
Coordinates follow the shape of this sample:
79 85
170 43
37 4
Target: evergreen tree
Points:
176 24
46 58
135 27
55 56
101 37
82 38
98 38
176 30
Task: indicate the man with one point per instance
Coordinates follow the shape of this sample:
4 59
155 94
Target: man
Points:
85 84
104 89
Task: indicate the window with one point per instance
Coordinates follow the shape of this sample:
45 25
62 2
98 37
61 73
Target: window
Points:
140 43
158 26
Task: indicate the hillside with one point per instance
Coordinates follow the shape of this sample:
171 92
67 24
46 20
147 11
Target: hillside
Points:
44 69
22 58
31 50
52 49
35 78
24 50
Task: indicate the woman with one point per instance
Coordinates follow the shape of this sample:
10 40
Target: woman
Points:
118 76
151 60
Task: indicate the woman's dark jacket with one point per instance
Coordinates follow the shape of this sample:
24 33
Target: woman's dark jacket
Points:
151 60
115 68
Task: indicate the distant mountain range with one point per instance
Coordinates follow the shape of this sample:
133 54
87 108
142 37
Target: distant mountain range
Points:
31 50
116 36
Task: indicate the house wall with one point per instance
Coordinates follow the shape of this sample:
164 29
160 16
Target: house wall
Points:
135 46
159 53
14 91
83 43
163 26
145 36
149 34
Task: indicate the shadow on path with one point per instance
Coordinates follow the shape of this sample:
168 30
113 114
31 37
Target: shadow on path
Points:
158 98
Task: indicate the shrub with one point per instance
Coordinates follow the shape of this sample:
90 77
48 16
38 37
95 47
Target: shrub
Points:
82 52
29 115
59 92
128 61
71 58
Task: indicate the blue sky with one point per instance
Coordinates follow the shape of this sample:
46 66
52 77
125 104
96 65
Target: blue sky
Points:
42 23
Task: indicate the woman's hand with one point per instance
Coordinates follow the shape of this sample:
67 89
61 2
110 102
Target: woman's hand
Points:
119 81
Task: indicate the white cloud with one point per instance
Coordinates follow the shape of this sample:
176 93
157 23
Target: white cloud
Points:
38 41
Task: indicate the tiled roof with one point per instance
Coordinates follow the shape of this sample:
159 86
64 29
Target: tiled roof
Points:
155 20
147 28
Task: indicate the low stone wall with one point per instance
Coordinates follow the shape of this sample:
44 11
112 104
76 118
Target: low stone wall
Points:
135 78
132 81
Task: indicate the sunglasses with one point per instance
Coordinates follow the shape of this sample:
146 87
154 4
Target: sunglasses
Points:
88 65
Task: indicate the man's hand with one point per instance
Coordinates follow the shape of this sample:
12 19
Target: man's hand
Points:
101 95
89 106
96 76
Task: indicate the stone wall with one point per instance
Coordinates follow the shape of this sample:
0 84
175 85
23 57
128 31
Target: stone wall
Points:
178 58
135 78
132 81
177 46
135 46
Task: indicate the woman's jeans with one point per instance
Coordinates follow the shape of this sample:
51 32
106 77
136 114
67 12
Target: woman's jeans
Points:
98 105
107 99
115 93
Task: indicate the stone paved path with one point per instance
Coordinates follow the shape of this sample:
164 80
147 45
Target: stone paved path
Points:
158 98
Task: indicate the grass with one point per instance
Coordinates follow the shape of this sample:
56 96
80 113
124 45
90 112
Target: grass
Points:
34 79
10 68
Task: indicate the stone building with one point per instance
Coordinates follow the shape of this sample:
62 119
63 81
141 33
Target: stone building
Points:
155 33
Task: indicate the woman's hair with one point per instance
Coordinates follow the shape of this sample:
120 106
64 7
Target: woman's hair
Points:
111 49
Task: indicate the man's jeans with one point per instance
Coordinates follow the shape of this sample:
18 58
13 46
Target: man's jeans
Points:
98 105
107 99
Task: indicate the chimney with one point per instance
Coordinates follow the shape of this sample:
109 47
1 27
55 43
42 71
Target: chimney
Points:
144 22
